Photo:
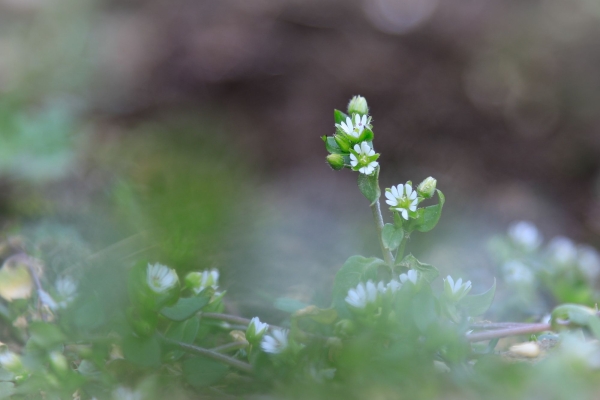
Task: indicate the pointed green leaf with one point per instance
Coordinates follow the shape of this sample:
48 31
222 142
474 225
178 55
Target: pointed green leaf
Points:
391 236
428 217
479 303
428 272
369 185
578 315
185 307
356 269
200 372
339 116
331 145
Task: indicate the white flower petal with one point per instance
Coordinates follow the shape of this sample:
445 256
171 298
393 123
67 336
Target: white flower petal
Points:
395 192
404 214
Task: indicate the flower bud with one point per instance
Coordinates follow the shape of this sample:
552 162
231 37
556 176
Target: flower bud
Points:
342 142
256 330
427 188
358 105
456 290
336 161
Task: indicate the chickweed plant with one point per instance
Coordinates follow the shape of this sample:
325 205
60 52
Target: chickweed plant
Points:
391 330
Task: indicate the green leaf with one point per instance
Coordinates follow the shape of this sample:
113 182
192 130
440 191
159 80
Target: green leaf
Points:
331 145
423 309
369 185
200 372
366 136
428 217
185 307
578 315
6 375
288 305
45 335
339 116
479 303
7 389
356 269
144 352
428 272
185 332
392 236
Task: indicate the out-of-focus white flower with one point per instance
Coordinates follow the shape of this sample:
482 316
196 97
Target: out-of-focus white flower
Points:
562 251
391 287
588 261
363 159
256 329
402 198
525 235
10 361
456 290
412 276
199 281
354 129
518 273
574 348
66 289
160 278
275 342
123 393
362 295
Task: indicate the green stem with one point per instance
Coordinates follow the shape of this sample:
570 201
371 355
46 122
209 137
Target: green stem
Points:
190 348
230 346
402 247
387 254
524 329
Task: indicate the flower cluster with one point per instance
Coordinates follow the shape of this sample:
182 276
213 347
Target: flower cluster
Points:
351 146
366 294
198 281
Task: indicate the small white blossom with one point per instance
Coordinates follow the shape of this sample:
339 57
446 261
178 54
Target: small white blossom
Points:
588 261
402 198
412 276
10 360
391 287
160 277
354 129
67 291
364 159
256 329
275 342
362 295
123 393
458 289
525 234
201 280
562 250
517 272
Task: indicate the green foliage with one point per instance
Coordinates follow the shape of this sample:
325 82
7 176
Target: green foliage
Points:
369 186
355 270
478 304
392 236
428 272
185 307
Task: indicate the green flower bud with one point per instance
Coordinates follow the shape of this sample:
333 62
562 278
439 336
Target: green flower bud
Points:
456 290
343 142
344 328
358 105
336 161
426 189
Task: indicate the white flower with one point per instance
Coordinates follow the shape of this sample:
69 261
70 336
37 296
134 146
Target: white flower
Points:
392 287
412 275
364 159
588 261
123 393
356 129
517 272
9 360
201 280
362 295
562 250
525 234
402 198
256 329
275 342
456 290
67 291
160 278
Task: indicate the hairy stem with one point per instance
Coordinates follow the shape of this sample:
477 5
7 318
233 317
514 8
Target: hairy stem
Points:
190 348
387 254
522 329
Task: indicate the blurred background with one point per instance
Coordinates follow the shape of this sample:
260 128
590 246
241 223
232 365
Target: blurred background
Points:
187 132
